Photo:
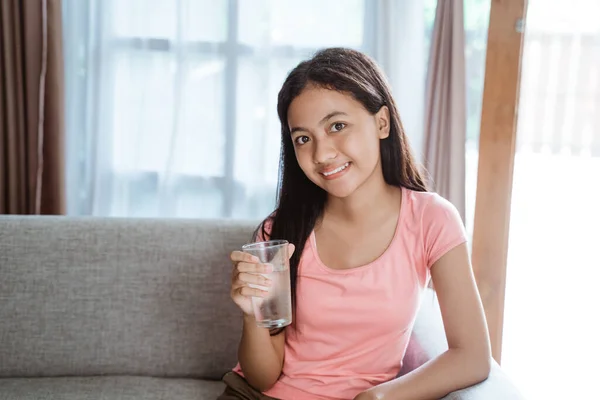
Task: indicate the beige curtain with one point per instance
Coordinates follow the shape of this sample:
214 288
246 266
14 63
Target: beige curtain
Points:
31 108
445 107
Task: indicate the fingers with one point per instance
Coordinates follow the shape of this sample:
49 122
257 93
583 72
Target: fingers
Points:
240 256
247 284
247 291
246 278
254 268
247 263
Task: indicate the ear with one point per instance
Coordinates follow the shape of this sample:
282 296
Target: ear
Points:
382 119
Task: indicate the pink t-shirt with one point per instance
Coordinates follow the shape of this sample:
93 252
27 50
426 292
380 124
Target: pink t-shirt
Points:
351 327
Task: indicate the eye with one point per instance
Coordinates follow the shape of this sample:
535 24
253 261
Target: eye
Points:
338 126
300 140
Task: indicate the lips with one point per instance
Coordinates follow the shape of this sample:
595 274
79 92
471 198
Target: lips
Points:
332 173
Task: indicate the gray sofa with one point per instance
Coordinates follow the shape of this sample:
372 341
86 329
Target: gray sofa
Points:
96 308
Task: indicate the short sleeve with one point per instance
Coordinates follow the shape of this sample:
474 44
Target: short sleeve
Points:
442 227
263 232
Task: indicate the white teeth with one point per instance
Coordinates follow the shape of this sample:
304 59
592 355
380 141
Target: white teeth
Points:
335 171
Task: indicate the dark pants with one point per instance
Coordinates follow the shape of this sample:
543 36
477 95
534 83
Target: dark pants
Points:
238 388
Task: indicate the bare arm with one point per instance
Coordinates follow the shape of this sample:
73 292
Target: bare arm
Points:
260 355
468 358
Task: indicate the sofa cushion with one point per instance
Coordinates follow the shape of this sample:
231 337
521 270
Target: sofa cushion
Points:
108 388
102 296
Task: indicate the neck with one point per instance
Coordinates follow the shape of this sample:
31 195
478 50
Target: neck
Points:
373 197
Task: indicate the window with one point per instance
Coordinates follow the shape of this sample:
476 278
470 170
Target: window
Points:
171 104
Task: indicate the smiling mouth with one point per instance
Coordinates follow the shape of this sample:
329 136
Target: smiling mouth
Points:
337 170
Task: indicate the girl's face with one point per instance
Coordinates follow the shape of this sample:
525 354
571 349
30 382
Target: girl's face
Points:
336 139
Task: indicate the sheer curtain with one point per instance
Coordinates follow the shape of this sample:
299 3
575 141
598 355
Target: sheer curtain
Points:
171 104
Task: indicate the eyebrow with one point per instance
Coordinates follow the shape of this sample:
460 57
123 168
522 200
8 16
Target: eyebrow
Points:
325 118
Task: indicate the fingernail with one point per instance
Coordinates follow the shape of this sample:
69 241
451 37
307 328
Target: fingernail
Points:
268 267
264 294
255 259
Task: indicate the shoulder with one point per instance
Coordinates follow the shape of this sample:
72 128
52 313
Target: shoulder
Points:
439 207
437 221
429 207
263 231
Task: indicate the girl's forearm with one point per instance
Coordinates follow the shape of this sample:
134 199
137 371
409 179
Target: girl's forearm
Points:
258 357
453 370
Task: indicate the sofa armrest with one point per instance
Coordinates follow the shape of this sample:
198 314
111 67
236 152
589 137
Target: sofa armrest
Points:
496 387
428 340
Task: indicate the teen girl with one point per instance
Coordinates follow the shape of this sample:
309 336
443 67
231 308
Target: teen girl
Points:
365 237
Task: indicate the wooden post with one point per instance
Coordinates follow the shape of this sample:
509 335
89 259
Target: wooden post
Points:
496 159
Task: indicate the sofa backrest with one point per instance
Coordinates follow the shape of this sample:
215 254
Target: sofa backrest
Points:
95 296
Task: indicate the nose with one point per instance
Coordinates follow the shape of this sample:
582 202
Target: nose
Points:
324 151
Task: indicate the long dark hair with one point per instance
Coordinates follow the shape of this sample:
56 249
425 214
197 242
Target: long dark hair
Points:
300 202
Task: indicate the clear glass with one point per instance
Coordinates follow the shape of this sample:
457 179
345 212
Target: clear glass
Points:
275 310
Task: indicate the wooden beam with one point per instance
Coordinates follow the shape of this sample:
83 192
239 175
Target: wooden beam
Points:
496 159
